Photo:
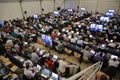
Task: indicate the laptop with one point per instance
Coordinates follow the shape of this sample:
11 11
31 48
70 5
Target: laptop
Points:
113 56
38 68
103 46
55 57
54 77
45 73
73 40
92 51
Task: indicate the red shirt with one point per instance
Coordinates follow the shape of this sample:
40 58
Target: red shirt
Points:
54 36
50 63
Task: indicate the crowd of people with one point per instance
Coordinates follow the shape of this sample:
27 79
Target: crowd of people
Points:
69 30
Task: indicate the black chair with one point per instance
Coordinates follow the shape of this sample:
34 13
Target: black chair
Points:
26 78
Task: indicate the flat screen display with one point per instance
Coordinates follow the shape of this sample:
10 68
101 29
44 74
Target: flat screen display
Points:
43 36
35 16
54 76
82 9
113 56
96 27
56 13
111 11
92 27
70 10
92 51
2 23
49 40
104 19
109 14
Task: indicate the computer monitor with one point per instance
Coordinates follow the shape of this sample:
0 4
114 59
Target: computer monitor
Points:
92 27
43 36
55 57
49 40
80 42
2 23
109 14
56 13
113 56
82 9
38 67
92 51
103 46
99 28
104 19
73 40
111 11
45 73
54 76
35 16
70 10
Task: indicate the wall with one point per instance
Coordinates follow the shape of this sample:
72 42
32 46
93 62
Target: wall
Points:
104 5
71 4
48 5
59 3
10 10
32 7
94 5
100 5
90 5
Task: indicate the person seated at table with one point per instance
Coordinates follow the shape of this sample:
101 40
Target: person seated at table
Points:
27 52
34 57
55 67
29 73
112 44
86 54
112 67
50 63
54 35
62 67
60 47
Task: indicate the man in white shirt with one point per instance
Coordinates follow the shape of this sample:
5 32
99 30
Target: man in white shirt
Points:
62 66
113 62
112 67
28 72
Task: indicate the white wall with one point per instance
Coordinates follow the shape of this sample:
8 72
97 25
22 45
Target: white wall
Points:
90 5
71 4
32 7
59 3
100 5
48 5
10 10
104 5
